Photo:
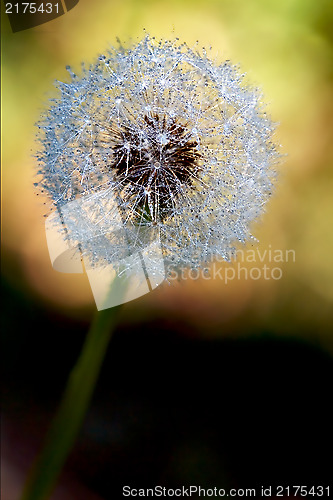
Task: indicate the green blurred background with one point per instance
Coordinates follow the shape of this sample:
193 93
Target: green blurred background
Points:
286 48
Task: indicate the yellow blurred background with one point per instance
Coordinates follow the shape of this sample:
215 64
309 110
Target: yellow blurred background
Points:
285 47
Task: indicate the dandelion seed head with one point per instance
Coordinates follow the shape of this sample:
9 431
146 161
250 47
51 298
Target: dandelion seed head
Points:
180 142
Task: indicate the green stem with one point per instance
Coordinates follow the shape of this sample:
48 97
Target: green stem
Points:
66 425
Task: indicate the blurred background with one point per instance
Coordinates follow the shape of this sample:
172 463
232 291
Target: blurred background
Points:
204 382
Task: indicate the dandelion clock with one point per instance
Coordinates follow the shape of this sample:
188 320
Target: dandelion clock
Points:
155 158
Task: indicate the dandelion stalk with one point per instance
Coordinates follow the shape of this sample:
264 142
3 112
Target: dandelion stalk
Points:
75 402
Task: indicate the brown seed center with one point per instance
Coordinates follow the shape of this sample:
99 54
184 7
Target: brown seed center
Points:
154 165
